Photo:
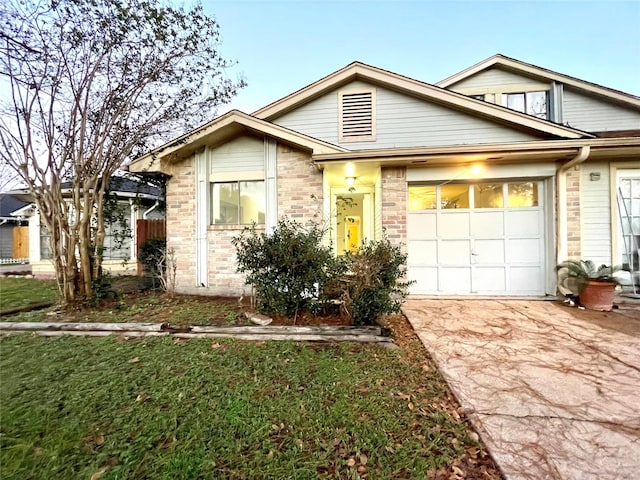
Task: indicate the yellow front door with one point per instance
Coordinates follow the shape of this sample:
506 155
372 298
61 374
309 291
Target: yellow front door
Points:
352 234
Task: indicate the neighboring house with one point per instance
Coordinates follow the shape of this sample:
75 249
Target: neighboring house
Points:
14 241
134 200
489 177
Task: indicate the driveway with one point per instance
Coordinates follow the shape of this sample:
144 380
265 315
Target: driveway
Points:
553 390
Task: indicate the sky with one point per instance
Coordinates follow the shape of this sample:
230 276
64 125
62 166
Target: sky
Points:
282 46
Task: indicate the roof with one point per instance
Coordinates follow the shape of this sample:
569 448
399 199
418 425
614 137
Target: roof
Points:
514 65
9 203
221 129
120 185
419 89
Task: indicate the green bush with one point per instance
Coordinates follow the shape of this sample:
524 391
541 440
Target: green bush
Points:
151 253
288 268
376 282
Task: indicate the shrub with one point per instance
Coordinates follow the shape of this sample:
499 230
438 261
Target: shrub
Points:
151 253
375 282
288 268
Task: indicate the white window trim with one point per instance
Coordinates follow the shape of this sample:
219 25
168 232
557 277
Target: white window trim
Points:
362 138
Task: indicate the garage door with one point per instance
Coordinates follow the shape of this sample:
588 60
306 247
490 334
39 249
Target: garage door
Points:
481 238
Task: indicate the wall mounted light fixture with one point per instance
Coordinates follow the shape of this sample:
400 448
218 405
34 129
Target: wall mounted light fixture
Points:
351 181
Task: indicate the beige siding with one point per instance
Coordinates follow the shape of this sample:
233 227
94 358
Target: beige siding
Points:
491 79
595 115
402 121
244 154
595 213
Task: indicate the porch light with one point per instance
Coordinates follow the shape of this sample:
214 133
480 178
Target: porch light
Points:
351 181
476 169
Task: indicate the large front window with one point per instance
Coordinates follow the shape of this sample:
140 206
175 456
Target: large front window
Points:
531 103
238 203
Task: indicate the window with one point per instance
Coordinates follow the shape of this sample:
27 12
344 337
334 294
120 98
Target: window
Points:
454 196
523 194
488 195
357 120
422 197
238 203
531 103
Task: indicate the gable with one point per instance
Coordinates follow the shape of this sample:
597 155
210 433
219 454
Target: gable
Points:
401 121
491 79
242 154
597 115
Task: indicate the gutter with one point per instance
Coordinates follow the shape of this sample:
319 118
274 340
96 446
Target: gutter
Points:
151 209
561 188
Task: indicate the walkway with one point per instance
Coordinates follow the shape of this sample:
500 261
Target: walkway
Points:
553 390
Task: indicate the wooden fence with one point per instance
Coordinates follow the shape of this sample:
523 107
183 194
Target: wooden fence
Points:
146 230
20 242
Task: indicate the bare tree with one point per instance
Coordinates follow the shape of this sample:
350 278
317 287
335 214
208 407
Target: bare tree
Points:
93 84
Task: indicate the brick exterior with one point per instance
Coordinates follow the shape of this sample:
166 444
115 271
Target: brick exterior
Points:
574 249
298 180
181 222
299 186
394 204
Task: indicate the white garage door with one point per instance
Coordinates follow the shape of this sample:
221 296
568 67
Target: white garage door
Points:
481 238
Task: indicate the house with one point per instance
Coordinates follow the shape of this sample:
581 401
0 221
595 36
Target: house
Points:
133 200
14 241
490 177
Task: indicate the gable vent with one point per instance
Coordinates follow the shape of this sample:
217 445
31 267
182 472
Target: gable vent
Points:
357 116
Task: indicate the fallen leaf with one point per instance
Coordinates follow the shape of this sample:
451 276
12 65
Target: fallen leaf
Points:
363 459
134 360
458 472
410 405
98 474
362 469
37 451
403 396
299 443
99 439
216 345
351 462
474 436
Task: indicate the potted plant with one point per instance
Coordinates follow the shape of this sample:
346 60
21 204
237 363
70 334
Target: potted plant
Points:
595 286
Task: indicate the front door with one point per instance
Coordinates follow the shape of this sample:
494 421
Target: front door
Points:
352 221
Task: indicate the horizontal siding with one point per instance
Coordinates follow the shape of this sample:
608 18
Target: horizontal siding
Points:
492 78
244 154
595 211
594 115
402 121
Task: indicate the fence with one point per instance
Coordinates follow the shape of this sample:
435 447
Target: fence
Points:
146 230
20 242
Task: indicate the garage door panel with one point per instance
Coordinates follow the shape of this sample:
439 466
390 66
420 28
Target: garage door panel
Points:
490 279
426 279
421 225
454 252
455 280
526 280
523 250
488 251
423 252
523 222
487 224
453 224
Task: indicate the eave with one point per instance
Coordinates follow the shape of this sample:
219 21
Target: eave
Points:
218 131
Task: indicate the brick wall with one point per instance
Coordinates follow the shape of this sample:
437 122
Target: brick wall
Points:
298 181
299 186
394 204
573 213
181 221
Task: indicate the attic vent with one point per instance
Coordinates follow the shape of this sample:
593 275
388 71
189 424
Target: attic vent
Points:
357 116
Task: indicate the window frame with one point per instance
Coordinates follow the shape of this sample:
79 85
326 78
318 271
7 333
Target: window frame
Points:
212 184
526 93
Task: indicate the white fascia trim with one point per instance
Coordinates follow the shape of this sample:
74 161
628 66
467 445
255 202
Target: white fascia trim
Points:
516 65
421 89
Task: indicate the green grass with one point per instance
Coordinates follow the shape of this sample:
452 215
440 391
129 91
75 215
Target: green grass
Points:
24 292
160 408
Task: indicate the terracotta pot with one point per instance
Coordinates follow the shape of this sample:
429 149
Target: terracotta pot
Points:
598 295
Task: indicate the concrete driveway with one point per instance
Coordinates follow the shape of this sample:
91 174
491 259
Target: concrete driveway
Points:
554 391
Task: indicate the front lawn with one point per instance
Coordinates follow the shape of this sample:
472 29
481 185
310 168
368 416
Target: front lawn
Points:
21 292
164 408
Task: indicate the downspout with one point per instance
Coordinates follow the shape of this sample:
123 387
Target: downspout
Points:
148 211
561 187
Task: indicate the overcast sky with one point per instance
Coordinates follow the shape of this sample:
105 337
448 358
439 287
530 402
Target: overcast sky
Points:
283 46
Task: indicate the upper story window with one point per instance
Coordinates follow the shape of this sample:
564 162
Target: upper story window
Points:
357 115
531 103
238 203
